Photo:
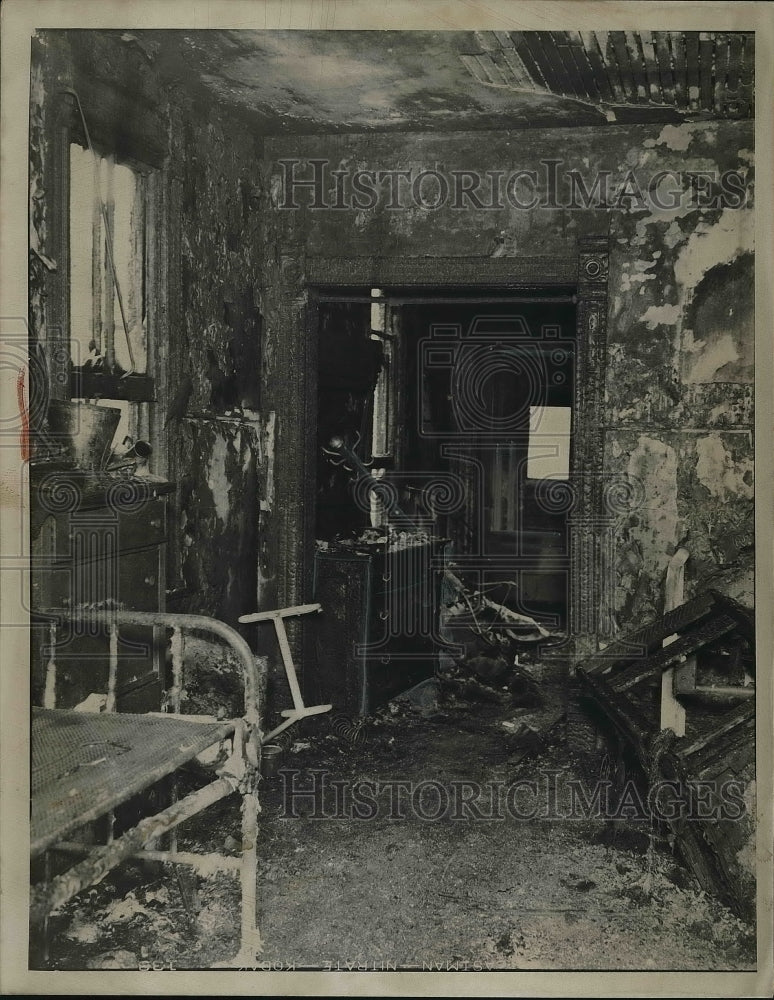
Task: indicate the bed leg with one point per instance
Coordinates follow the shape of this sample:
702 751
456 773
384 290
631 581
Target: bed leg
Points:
251 945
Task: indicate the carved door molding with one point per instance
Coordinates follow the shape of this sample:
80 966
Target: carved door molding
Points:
590 571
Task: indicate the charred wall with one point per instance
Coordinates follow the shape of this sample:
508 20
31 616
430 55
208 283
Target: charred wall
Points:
212 435
678 413
238 348
221 452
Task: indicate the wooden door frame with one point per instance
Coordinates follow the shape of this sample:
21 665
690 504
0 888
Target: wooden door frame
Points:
587 271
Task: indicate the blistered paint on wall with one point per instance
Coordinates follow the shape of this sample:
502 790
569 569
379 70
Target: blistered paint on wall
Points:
269 440
719 472
219 498
714 242
217 479
649 537
719 328
674 374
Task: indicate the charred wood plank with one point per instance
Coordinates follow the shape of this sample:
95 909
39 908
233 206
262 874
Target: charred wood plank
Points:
677 43
643 641
720 753
736 41
706 52
738 716
664 56
576 83
596 62
744 617
692 64
554 48
531 62
747 75
651 65
709 845
721 72
590 82
618 54
684 645
628 718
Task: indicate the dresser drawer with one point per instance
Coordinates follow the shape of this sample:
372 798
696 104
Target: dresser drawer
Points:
145 526
86 534
130 579
139 579
83 663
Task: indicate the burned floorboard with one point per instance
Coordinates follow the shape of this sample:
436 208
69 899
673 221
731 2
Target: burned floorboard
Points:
713 766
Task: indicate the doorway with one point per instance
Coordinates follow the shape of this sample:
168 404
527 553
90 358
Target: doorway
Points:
473 387
458 405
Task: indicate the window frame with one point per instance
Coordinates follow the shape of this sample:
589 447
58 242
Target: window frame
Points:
69 381
86 383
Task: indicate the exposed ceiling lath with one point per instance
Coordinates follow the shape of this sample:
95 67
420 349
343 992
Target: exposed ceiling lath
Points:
696 73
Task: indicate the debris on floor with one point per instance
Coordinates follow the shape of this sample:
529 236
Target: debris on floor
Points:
423 697
486 641
406 889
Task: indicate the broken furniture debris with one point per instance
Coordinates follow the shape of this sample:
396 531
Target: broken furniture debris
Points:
713 635
484 639
299 710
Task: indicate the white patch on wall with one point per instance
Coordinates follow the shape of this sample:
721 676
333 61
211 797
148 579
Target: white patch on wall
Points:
711 357
269 453
661 316
217 481
718 472
676 137
715 243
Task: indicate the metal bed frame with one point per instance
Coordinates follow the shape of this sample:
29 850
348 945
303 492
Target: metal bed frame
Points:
86 764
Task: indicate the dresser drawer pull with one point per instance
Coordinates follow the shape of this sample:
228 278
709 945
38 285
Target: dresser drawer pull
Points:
150 580
155 522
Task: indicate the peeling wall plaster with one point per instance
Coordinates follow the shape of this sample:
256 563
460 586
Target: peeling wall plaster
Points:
714 242
661 315
711 358
672 374
719 473
653 529
218 494
673 371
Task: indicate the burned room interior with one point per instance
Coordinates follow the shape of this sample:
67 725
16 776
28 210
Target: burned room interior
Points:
389 425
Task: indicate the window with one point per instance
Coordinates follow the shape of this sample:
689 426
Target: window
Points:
548 453
547 457
107 228
110 286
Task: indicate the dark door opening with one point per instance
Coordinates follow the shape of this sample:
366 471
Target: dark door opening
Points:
460 405
493 404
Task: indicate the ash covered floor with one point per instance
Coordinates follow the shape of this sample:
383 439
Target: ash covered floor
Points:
416 892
